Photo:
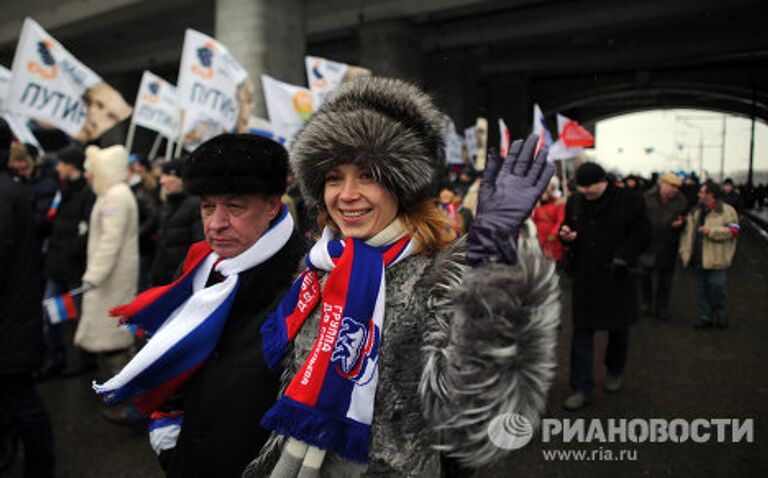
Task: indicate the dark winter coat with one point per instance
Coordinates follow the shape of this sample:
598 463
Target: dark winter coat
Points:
40 191
68 242
661 254
227 397
180 227
614 226
21 338
734 200
149 215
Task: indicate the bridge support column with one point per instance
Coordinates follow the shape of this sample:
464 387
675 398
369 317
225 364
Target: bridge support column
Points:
266 38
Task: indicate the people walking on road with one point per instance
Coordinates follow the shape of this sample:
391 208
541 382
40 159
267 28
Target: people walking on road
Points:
418 336
707 246
605 230
666 208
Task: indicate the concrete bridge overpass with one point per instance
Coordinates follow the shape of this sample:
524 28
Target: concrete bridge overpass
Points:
586 59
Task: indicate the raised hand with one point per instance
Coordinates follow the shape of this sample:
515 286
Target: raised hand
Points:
508 192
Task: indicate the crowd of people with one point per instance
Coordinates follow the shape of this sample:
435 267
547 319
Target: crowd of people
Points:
194 320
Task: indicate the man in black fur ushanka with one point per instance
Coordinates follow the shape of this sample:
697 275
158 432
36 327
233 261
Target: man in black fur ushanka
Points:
202 376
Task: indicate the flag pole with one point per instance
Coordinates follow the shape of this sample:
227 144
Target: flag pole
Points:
181 136
168 148
129 140
155 146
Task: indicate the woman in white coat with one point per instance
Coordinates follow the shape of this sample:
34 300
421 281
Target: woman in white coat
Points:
113 255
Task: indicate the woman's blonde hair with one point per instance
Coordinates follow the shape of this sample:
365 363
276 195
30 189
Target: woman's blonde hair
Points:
423 221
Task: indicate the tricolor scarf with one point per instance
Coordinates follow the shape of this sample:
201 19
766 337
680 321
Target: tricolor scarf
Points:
329 403
184 320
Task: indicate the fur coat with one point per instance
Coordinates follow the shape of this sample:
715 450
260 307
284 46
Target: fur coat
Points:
460 346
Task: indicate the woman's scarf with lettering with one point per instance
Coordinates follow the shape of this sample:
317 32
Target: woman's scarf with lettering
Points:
329 403
184 320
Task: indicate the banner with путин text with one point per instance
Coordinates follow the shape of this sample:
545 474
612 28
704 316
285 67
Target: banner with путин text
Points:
50 85
213 89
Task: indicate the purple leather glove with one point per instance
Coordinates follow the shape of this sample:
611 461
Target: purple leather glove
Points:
508 192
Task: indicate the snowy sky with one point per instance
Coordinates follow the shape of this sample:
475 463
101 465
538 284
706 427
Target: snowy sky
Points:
621 142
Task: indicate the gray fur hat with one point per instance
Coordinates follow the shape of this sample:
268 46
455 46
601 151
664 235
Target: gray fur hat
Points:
390 127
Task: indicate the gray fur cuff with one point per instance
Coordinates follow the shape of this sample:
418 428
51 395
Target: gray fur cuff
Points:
494 354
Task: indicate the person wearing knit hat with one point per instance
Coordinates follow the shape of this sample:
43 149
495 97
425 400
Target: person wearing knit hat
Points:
666 207
605 230
369 383
180 224
69 218
202 375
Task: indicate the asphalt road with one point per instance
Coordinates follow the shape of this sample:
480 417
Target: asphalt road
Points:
674 371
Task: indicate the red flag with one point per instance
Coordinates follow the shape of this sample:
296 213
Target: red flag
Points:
573 135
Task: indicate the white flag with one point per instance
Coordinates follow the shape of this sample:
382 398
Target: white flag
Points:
323 76
209 82
51 85
156 106
5 83
540 128
470 139
288 106
453 142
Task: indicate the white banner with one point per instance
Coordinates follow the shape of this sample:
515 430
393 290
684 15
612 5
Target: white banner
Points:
209 81
157 106
5 83
50 85
470 140
288 106
454 143
323 76
20 130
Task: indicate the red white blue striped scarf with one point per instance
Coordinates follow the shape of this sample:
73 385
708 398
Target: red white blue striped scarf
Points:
329 403
184 320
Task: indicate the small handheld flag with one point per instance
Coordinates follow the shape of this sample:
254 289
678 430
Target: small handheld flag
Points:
61 308
54 208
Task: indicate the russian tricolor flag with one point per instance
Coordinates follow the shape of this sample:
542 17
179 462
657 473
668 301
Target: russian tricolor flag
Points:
54 208
60 308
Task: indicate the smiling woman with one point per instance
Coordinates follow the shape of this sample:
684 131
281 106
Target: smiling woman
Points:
369 379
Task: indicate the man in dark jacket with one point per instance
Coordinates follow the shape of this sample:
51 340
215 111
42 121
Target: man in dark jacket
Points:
731 196
240 179
180 225
21 338
69 216
666 208
145 191
605 229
